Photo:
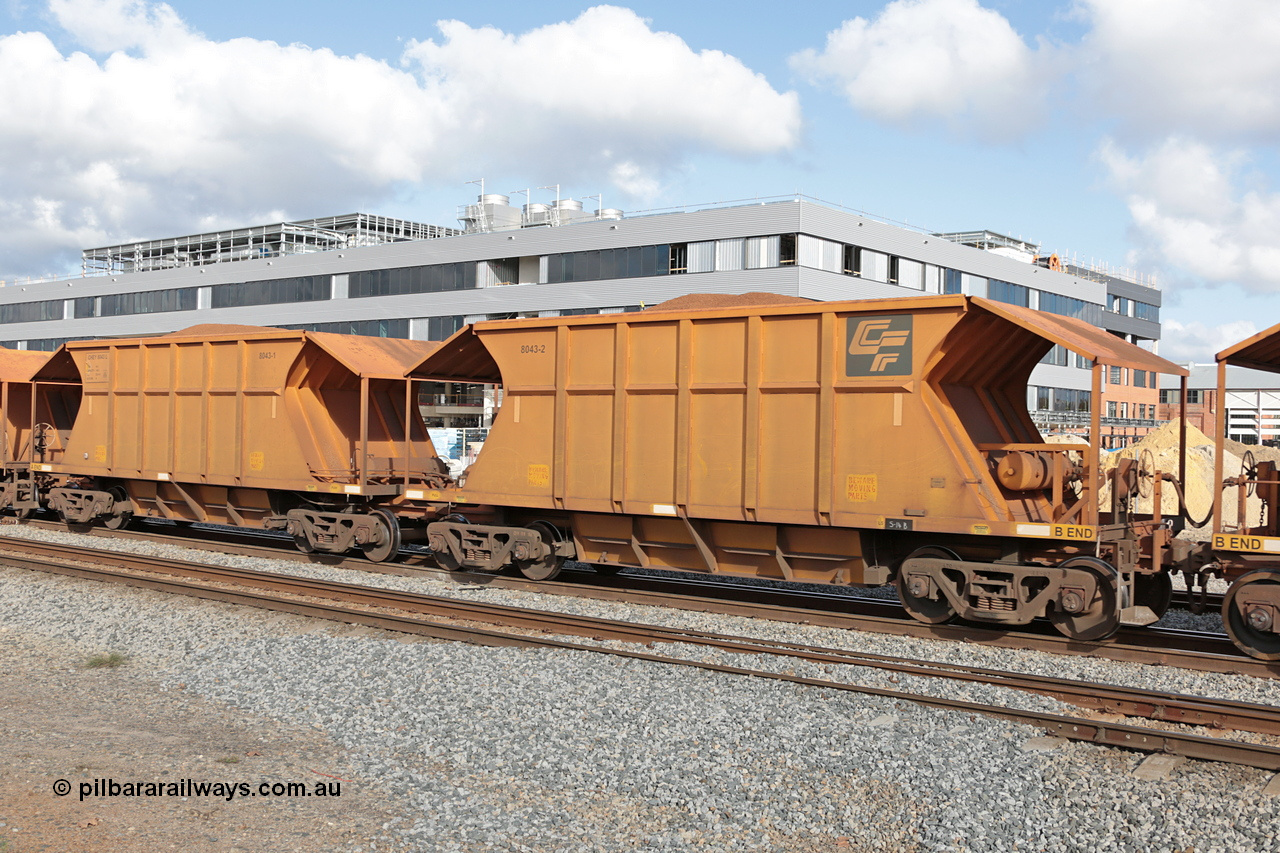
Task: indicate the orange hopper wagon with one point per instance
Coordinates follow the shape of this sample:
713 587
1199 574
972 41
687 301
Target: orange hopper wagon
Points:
244 425
834 442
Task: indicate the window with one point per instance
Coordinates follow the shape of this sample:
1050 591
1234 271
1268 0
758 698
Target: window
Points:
951 281
152 302
1013 294
428 279
1067 306
1117 304
397 328
631 262
1111 408
1145 311
1169 397
1195 396
312 288
1117 375
1042 398
1139 379
679 262
439 328
1056 355
787 250
31 312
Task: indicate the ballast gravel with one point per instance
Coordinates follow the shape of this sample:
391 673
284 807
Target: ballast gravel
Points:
535 750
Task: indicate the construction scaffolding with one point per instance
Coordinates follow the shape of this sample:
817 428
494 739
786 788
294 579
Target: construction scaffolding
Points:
261 241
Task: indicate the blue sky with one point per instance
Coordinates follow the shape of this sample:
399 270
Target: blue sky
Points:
1137 133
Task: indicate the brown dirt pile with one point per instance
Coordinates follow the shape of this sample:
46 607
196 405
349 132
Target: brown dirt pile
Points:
717 301
1199 488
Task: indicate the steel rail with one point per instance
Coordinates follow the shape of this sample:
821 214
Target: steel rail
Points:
1154 646
1182 709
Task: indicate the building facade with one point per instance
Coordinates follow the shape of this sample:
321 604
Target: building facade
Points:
1252 403
360 274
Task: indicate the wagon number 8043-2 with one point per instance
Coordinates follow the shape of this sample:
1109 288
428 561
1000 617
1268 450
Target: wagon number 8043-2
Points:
532 348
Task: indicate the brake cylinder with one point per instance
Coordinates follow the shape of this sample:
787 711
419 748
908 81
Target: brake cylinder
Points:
1022 471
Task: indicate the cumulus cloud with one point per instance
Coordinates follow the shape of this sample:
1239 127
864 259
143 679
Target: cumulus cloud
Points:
935 59
1195 341
1197 216
155 128
1185 66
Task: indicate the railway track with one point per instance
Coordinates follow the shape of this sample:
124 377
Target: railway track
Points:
452 619
1198 651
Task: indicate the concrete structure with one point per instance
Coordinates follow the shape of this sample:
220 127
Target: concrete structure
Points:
1252 401
424 282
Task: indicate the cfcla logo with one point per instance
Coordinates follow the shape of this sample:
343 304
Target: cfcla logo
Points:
879 346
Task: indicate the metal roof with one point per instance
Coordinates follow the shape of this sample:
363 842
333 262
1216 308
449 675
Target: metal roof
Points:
1082 338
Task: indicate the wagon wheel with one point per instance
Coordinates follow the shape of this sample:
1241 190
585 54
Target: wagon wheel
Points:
118 522
303 543
1097 618
931 611
390 529
1154 591
1146 473
1254 630
544 568
1249 471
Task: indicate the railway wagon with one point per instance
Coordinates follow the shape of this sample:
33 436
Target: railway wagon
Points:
30 414
833 442
1247 551
308 432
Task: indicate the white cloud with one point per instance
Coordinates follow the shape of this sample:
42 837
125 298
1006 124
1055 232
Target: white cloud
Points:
164 130
1195 341
1193 218
935 59
1185 66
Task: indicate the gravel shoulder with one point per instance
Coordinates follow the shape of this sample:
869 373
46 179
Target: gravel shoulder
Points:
61 720
460 748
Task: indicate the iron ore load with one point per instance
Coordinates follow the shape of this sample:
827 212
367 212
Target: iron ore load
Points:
858 443
831 442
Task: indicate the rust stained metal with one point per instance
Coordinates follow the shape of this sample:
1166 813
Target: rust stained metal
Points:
1082 338
460 358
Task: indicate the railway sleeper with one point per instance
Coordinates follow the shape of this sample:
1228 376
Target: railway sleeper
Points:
1085 598
537 550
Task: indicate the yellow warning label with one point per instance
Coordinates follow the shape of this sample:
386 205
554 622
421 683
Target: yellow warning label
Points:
539 476
335 487
311 488
1228 542
1072 531
256 459
981 529
100 453
861 488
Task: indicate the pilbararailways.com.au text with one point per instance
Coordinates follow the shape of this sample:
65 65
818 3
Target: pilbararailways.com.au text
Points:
192 788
